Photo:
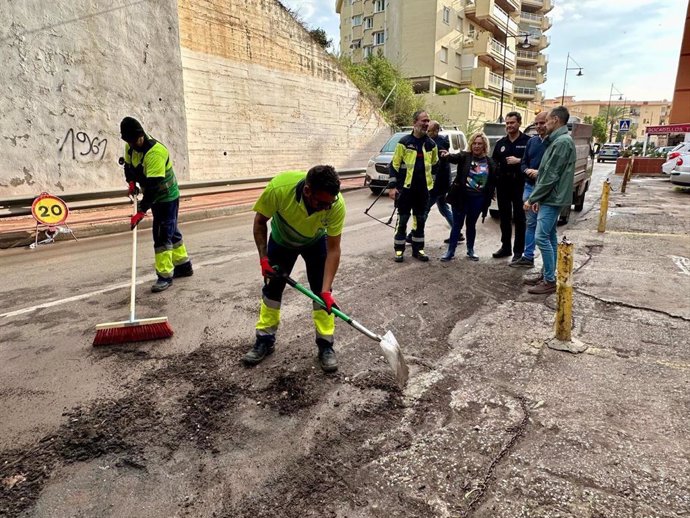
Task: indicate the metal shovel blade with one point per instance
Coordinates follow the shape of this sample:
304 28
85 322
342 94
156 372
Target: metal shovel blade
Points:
391 350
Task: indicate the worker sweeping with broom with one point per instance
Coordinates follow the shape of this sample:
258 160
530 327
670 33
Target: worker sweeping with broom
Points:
148 164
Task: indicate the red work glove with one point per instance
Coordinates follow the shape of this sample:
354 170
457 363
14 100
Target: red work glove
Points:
134 221
133 189
330 302
266 269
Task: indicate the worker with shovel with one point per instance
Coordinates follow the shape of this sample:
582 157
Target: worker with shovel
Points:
307 214
148 164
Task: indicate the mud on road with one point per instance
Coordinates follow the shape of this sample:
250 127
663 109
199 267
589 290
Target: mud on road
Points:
492 423
281 439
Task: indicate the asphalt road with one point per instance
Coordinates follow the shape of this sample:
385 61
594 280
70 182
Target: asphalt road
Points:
492 423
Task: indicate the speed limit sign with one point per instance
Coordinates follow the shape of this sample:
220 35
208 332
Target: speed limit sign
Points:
49 210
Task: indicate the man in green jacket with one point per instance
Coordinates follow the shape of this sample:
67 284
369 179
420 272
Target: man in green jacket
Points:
552 191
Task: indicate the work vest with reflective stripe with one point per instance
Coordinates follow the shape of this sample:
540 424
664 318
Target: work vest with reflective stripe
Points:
406 153
150 164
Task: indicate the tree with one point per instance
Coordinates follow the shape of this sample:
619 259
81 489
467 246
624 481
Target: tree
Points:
384 84
320 37
615 113
598 127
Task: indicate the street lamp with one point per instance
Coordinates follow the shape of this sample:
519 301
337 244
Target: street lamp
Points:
525 45
608 110
579 73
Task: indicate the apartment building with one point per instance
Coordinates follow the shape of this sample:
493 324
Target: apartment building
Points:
486 45
640 113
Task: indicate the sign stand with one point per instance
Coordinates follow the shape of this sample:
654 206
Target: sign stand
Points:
50 213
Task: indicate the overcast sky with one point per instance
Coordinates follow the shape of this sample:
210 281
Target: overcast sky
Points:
633 44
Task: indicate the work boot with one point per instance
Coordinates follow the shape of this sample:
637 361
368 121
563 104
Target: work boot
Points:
263 347
472 256
522 262
420 255
183 270
161 284
399 256
543 288
533 281
327 359
501 252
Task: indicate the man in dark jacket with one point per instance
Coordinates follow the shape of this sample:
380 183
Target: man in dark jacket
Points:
530 168
508 153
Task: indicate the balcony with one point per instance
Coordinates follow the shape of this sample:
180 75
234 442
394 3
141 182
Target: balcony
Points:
523 92
540 5
491 17
536 20
484 79
491 51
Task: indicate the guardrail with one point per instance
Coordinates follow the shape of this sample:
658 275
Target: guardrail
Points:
21 205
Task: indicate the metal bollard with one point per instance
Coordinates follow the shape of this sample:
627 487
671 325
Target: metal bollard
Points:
606 189
627 174
564 291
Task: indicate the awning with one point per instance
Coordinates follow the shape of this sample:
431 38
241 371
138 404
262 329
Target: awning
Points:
668 128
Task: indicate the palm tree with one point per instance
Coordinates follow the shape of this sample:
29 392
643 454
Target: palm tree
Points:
613 114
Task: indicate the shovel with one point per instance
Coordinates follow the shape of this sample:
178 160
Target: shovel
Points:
389 345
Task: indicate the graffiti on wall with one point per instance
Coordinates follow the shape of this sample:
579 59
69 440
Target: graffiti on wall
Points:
80 144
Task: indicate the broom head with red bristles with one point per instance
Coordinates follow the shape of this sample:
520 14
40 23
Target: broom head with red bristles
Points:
132 331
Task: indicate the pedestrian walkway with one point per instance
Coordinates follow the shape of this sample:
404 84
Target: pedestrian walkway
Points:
20 230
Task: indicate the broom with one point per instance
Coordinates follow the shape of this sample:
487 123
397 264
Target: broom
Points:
133 330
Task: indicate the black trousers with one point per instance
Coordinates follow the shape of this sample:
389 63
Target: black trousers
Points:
509 198
413 201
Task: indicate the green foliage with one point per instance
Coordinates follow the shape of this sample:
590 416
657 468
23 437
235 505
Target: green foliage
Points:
449 91
481 93
470 126
384 84
320 37
598 127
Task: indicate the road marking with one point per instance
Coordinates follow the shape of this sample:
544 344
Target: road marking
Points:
149 278
683 263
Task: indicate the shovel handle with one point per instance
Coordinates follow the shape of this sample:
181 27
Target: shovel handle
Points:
292 282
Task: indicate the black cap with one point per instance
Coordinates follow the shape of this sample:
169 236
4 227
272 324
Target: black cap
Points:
130 129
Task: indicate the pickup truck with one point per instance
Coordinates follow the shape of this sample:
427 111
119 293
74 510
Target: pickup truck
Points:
582 136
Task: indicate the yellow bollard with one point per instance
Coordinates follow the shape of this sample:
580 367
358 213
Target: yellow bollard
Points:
627 174
606 189
564 291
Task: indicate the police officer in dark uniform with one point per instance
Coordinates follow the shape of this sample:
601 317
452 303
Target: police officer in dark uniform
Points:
510 184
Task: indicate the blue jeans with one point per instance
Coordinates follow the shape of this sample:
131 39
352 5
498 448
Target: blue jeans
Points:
467 213
531 225
547 240
443 207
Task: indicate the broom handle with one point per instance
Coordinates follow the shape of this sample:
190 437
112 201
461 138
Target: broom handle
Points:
132 289
304 290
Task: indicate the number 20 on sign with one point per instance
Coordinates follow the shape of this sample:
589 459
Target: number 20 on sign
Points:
49 210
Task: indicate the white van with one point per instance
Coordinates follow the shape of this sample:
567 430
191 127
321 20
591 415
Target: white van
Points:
377 168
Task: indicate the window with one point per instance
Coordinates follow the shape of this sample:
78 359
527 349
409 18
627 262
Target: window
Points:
356 44
458 24
368 22
444 54
379 6
368 51
379 38
446 15
357 20
458 60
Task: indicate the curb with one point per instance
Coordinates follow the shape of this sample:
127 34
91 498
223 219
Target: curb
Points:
23 238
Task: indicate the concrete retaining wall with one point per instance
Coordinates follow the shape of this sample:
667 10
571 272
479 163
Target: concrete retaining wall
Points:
71 71
234 88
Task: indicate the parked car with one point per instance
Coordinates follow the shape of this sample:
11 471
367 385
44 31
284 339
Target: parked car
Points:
664 150
678 160
377 168
610 151
681 174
